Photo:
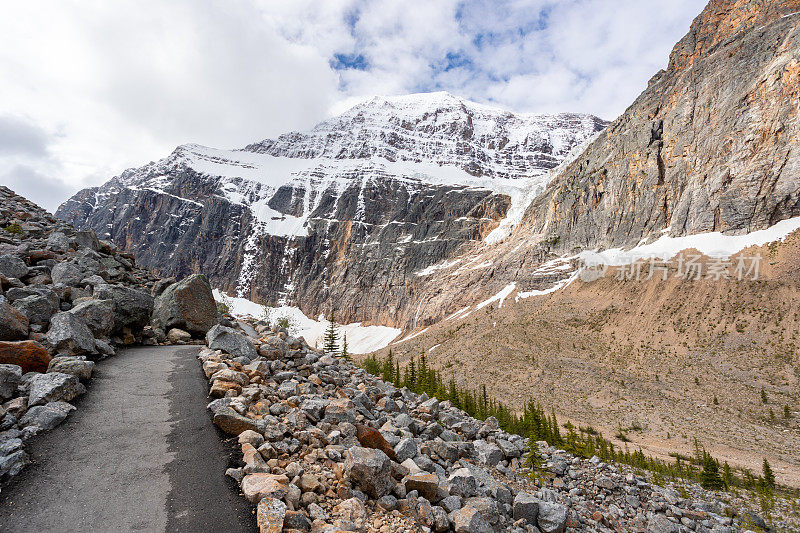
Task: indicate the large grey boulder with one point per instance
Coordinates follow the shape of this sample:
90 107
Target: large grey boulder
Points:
97 314
406 449
87 239
57 242
13 463
486 453
463 483
369 470
66 273
69 333
132 308
12 266
229 341
10 378
38 308
188 305
47 416
552 517
13 324
54 387
526 507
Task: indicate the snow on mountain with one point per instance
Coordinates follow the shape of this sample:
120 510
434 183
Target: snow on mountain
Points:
391 187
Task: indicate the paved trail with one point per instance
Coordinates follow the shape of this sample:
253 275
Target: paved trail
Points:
139 454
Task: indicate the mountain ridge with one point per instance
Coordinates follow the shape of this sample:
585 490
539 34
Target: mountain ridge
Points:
285 220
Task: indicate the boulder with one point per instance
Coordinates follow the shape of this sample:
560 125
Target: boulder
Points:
552 517
256 487
270 515
369 470
177 335
58 242
69 333
46 417
314 407
97 314
487 507
233 423
12 266
10 378
87 239
68 274
74 366
132 308
469 520
526 507
12 464
371 438
341 410
424 483
353 513
38 308
406 449
54 387
486 453
226 339
13 323
188 304
28 355
463 483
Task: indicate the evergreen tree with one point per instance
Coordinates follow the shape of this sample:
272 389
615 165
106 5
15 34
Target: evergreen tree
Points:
710 479
769 476
331 345
727 475
345 353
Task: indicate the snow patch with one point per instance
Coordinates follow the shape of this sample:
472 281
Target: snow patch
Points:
360 339
499 297
712 244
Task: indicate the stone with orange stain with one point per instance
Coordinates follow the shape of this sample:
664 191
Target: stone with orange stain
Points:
29 355
220 388
371 438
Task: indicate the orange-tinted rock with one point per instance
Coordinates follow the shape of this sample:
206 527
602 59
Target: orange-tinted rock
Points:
40 255
29 355
372 438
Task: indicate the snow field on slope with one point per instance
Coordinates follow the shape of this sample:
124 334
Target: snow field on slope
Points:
360 339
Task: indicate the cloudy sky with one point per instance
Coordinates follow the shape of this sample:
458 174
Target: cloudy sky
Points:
89 88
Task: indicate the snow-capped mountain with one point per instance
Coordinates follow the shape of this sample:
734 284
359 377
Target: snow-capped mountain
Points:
341 216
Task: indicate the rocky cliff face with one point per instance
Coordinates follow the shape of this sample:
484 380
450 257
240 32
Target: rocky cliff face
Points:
345 214
710 145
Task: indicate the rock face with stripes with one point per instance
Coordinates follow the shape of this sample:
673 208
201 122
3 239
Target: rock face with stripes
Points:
710 145
342 215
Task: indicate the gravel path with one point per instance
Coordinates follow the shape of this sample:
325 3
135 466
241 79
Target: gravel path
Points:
139 454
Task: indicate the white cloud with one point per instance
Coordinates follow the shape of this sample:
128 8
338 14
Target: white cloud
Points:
108 85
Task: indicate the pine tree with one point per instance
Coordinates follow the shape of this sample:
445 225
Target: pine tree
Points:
331 345
727 475
764 398
769 476
787 414
710 478
345 353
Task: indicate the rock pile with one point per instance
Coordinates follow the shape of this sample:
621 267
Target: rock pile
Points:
327 447
67 300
